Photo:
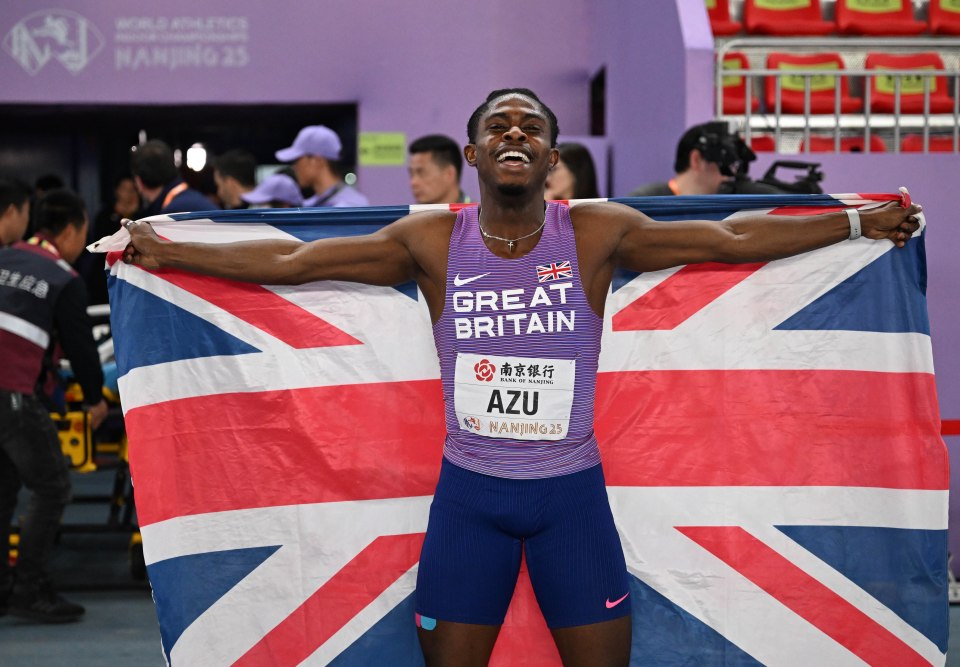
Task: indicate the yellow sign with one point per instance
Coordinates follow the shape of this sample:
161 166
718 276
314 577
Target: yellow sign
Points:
817 81
732 81
782 4
949 5
711 4
910 84
382 149
875 6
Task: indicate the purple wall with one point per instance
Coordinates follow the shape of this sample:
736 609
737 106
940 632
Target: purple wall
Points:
416 68
659 82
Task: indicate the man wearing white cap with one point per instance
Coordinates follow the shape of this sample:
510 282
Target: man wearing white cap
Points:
314 154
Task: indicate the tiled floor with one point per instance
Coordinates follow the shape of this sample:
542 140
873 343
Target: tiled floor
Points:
118 630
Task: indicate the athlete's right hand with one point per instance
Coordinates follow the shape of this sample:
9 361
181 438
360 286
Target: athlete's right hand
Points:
144 245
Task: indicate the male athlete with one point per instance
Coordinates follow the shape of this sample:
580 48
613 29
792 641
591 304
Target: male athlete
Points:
516 291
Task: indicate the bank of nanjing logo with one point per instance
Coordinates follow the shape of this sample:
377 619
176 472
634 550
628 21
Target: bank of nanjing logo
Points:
53 34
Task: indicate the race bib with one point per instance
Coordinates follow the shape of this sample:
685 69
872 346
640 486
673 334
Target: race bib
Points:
520 398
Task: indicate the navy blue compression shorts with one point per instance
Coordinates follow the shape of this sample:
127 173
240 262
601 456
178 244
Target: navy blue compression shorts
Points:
478 526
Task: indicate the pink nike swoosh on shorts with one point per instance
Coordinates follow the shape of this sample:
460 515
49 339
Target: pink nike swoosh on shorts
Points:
611 605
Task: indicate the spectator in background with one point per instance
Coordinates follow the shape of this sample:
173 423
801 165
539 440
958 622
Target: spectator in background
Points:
574 176
707 156
235 173
40 291
276 191
435 167
126 204
159 182
315 155
14 210
44 183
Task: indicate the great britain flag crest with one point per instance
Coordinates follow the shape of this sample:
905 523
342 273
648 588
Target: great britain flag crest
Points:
769 435
554 271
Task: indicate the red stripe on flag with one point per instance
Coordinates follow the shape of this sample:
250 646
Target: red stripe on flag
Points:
804 595
950 427
457 206
682 295
337 601
245 450
686 428
266 310
753 427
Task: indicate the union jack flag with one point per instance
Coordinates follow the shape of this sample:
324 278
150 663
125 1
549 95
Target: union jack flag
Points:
554 271
770 437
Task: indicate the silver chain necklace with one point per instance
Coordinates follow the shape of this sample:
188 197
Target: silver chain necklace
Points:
510 242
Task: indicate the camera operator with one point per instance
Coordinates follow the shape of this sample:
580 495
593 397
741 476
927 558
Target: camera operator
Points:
710 160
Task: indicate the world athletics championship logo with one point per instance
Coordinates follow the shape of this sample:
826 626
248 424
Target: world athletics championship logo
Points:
53 34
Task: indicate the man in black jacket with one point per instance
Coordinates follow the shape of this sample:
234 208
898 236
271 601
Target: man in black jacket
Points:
43 303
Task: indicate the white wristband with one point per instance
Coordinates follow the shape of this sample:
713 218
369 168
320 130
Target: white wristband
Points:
853 215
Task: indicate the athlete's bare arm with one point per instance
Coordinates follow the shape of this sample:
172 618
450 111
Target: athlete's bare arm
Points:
611 235
412 248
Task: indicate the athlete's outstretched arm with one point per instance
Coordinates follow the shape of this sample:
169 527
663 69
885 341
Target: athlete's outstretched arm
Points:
638 243
381 258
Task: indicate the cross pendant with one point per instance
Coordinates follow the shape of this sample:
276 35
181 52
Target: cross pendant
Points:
510 244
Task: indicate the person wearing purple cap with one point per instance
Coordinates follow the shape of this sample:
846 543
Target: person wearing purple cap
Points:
315 154
276 191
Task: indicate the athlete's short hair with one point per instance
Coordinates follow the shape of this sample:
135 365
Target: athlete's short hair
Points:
474 123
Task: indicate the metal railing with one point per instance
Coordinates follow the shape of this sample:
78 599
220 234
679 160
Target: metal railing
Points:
867 121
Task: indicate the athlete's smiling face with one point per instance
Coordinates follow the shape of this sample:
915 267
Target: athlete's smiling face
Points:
512 151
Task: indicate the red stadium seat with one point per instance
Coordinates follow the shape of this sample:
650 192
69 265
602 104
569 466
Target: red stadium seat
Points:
785 17
821 86
720 22
735 87
877 17
913 143
824 144
944 17
883 88
762 143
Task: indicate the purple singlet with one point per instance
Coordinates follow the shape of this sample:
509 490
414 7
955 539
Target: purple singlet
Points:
518 346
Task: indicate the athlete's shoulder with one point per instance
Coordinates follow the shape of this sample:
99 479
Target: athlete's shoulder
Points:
424 223
425 234
612 217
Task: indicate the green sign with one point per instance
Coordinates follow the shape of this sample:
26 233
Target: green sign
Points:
382 149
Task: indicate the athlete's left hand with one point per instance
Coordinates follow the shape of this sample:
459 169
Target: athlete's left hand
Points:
892 220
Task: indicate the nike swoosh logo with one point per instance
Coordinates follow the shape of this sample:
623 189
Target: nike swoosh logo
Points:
460 282
611 605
